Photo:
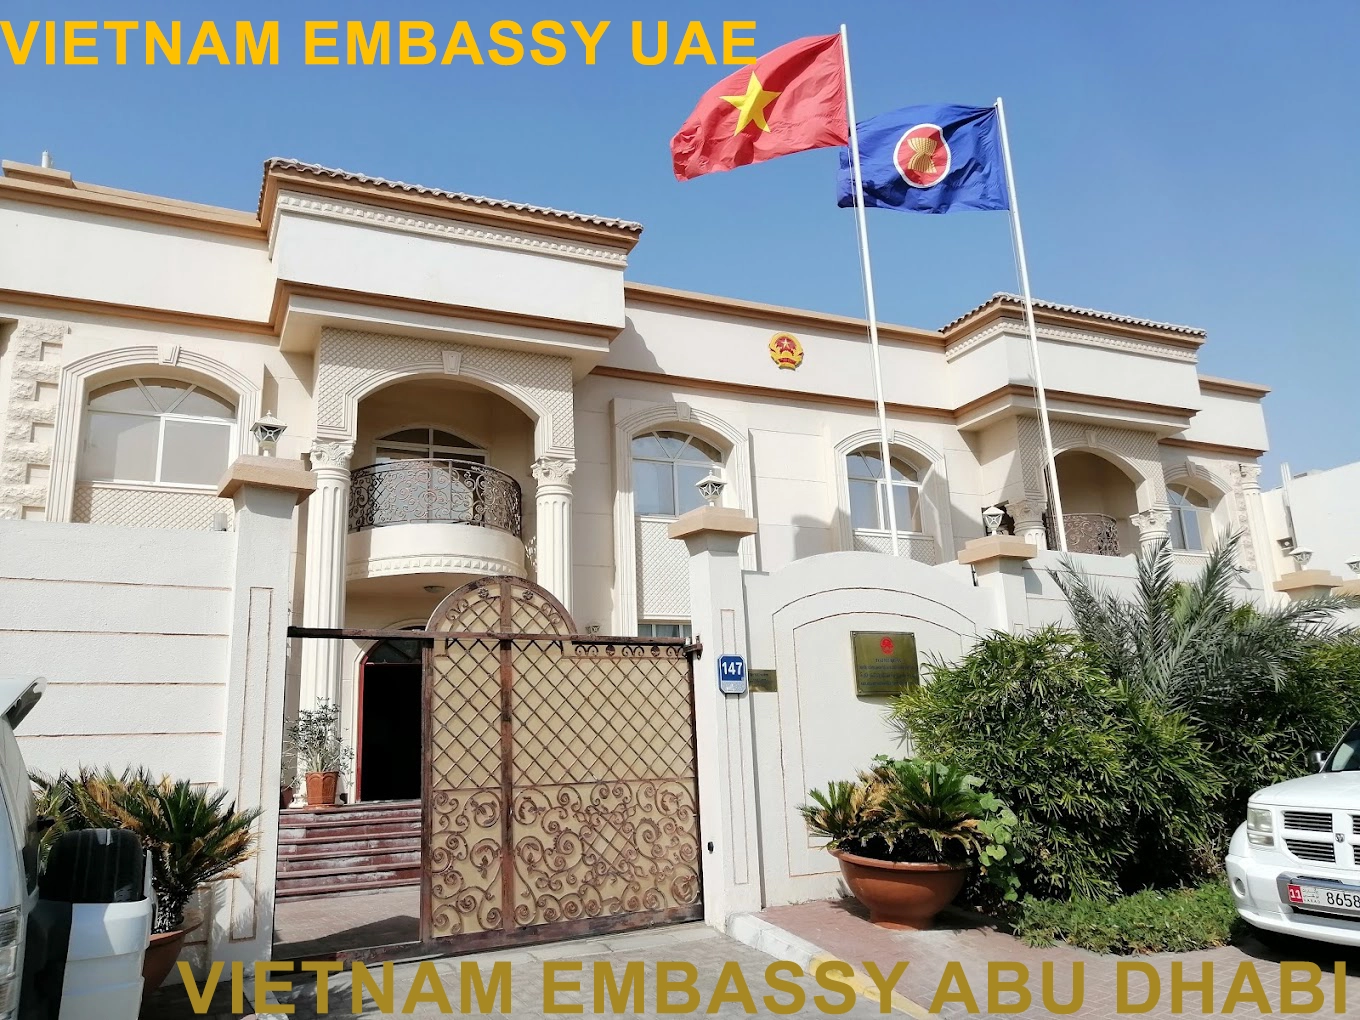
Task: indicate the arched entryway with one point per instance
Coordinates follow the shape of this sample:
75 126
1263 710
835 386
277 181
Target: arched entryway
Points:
387 758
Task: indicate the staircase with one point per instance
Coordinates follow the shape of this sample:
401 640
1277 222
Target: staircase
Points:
348 848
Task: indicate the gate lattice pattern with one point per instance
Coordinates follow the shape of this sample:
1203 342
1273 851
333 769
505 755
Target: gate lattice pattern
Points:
561 773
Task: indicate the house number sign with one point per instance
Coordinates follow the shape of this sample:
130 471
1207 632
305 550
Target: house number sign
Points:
731 674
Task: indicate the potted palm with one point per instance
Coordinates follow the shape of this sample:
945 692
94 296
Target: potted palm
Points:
907 833
194 836
314 739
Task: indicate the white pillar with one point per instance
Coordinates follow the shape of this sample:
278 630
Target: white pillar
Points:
723 728
1261 555
553 546
998 563
1028 515
1154 528
323 593
264 490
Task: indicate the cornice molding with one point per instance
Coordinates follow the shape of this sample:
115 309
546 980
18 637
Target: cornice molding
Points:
386 566
1082 338
368 215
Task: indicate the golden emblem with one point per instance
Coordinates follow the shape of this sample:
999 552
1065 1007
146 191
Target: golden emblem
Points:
785 350
923 154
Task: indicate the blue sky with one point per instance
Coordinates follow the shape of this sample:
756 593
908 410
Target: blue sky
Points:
1187 161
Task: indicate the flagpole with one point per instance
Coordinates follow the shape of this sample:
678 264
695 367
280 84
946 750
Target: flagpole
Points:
1051 481
870 311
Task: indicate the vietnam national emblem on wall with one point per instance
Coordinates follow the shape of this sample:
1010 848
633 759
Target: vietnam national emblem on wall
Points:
785 350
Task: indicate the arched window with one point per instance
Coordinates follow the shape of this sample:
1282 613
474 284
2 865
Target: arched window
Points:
869 489
1191 518
426 443
666 469
162 431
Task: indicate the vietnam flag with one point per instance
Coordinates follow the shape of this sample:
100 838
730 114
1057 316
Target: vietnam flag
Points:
789 100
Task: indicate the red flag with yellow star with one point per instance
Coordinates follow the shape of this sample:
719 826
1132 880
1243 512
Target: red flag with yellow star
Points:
789 100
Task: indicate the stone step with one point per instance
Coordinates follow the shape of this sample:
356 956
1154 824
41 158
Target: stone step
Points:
331 880
354 812
292 832
344 846
314 864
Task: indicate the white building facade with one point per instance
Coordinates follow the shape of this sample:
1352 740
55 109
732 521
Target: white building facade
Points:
474 388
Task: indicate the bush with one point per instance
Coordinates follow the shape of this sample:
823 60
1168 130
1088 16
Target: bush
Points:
1178 921
1111 792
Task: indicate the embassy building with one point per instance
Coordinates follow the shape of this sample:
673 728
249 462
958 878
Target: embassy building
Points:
366 406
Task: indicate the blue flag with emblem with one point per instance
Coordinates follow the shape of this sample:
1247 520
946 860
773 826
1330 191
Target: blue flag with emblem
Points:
931 159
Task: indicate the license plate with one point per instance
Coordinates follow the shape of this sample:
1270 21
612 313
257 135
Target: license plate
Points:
1331 900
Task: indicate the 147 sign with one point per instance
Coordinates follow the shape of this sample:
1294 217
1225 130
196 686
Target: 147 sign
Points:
731 674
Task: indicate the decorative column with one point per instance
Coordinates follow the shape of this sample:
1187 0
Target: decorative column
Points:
323 593
1257 553
1154 527
552 545
1028 515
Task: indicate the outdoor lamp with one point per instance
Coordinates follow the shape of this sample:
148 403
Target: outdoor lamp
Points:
710 487
1354 564
991 518
266 432
1301 557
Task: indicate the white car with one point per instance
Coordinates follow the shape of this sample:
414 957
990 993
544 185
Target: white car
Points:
1294 865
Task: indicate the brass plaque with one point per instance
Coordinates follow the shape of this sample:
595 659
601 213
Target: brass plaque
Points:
885 663
762 680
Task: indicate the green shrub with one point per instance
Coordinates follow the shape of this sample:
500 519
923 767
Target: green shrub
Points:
1177 921
1107 788
909 810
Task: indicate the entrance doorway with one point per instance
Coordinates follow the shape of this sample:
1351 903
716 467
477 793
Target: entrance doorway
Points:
388 755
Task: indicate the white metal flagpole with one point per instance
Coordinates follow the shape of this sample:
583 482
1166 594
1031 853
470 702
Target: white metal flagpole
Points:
1051 479
883 442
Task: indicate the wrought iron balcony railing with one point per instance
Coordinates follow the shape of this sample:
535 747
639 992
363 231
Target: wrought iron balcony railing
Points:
1097 534
440 491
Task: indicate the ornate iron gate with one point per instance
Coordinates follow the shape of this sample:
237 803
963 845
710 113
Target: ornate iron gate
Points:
560 789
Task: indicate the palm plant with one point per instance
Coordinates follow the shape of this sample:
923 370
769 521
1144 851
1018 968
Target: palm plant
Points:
194 836
1192 647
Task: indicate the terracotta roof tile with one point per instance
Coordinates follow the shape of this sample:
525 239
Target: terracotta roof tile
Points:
315 169
1003 297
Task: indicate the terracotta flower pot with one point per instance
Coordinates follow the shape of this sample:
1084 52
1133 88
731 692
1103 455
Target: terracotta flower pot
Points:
286 795
901 895
161 953
321 788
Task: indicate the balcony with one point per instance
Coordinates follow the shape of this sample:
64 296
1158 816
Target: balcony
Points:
448 491
437 521
1097 534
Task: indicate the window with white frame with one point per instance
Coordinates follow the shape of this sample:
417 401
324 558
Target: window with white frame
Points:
869 492
667 467
1191 518
426 443
658 628
158 431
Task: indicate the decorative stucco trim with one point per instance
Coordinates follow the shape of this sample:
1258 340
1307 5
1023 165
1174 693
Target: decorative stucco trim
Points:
350 364
79 377
1082 338
448 230
683 417
934 491
35 363
1134 453
425 564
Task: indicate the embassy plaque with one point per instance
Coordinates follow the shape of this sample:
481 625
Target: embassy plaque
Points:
885 663
763 680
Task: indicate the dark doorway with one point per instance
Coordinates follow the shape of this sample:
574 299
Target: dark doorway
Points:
389 722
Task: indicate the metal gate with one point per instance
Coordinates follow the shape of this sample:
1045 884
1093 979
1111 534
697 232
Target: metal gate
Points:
559 774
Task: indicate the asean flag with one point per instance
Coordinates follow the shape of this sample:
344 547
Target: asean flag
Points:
789 100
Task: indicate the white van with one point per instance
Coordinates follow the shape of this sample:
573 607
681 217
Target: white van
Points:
72 939
1294 865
